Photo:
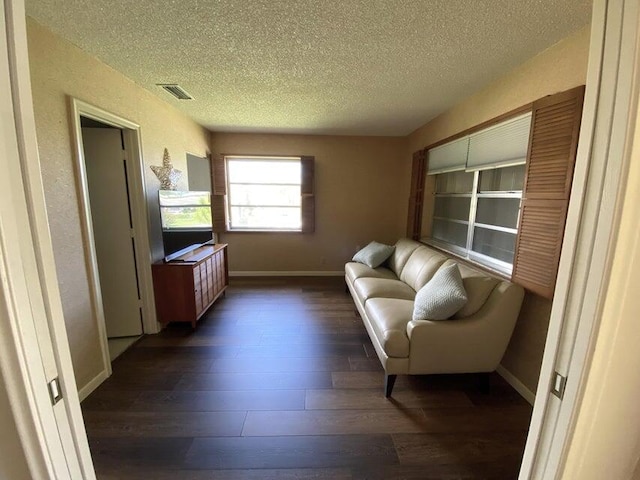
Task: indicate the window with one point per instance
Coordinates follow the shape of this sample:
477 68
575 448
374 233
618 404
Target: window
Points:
517 213
476 214
479 180
180 210
263 194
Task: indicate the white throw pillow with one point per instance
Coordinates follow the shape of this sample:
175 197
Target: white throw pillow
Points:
442 296
374 254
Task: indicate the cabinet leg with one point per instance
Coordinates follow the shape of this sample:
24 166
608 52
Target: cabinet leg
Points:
389 382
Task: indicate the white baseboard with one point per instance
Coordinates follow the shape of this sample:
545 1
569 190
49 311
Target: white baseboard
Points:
519 387
280 273
94 383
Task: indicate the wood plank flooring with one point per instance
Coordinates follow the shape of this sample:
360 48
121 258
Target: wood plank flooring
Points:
280 381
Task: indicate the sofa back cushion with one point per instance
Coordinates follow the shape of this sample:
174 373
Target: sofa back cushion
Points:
478 286
421 266
404 249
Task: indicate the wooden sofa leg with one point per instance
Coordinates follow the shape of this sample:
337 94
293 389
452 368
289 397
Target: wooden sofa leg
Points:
389 382
484 382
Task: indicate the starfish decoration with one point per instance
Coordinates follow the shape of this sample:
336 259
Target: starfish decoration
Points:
167 175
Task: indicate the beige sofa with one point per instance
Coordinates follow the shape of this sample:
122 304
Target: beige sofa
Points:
474 340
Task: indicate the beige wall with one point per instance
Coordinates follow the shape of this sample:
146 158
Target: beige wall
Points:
58 70
558 68
361 195
13 463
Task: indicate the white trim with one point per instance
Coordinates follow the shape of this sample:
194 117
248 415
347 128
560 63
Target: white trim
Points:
517 385
92 384
89 242
279 273
605 441
139 212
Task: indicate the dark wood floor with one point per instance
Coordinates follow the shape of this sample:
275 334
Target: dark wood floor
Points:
280 381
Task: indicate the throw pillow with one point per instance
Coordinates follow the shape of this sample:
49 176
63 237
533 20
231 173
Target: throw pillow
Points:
442 296
374 254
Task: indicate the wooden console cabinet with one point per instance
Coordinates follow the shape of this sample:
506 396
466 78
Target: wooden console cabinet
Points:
189 284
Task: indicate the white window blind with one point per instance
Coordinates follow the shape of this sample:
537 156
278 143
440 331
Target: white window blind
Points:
449 157
502 145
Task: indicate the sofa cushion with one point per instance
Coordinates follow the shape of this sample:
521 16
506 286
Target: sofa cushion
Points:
421 266
389 318
442 296
374 254
404 249
367 288
478 286
354 270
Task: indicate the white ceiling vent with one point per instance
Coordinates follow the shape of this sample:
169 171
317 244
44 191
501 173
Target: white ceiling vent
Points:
175 90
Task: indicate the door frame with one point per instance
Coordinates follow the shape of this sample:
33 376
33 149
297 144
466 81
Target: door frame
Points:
53 437
593 220
137 190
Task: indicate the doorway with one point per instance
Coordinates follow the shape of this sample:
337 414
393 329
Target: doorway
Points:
105 160
110 174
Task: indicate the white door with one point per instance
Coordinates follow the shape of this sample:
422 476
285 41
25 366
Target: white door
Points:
113 230
35 349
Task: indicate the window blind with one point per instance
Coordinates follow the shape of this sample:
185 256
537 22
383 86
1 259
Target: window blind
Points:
502 145
449 157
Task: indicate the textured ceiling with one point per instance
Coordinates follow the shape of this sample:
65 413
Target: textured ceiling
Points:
349 67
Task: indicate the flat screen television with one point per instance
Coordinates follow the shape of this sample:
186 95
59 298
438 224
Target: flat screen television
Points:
185 217
185 210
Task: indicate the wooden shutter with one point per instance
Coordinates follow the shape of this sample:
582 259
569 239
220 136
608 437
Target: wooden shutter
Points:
219 193
416 194
551 157
307 190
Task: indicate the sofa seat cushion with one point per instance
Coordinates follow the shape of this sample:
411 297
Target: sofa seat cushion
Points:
389 318
355 270
367 288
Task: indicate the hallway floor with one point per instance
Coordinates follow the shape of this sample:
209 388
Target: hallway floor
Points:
280 381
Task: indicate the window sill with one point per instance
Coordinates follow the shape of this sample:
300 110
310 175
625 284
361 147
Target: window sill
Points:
474 263
185 230
261 231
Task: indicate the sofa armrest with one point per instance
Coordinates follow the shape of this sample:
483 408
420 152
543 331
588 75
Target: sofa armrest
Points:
472 344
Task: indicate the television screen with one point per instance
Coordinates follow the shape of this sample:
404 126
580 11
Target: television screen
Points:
185 210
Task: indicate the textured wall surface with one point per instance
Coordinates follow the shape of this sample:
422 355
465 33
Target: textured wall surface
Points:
361 195
560 67
59 70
